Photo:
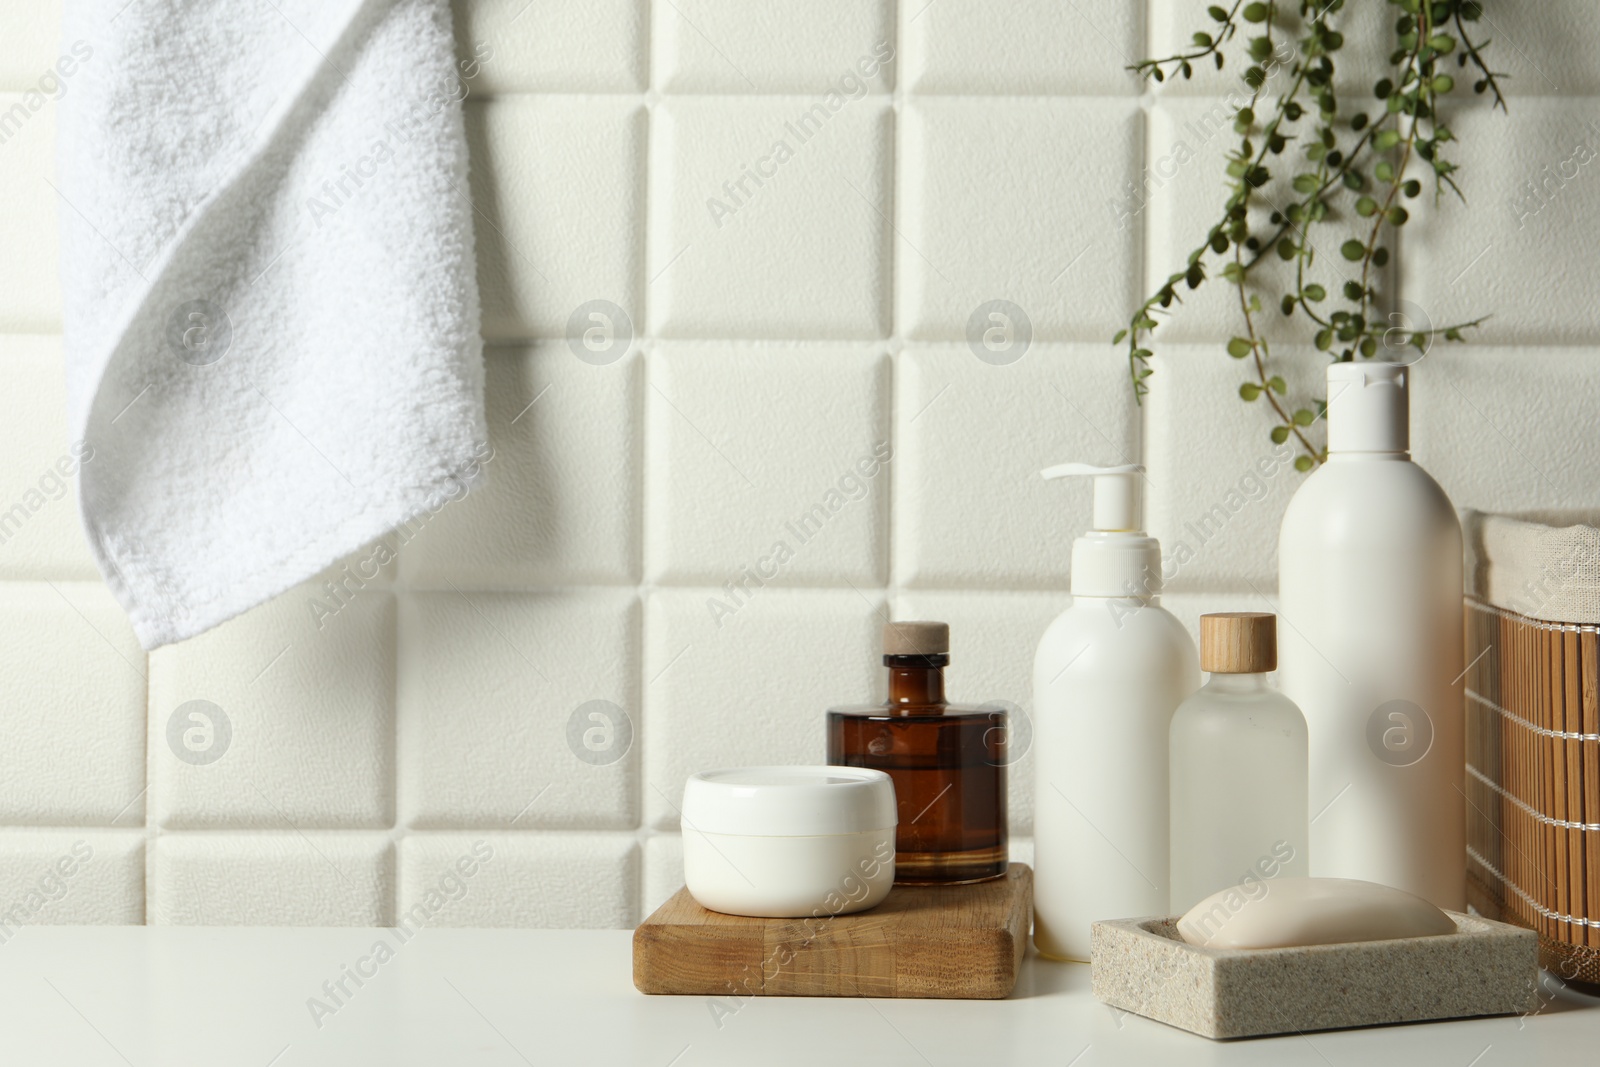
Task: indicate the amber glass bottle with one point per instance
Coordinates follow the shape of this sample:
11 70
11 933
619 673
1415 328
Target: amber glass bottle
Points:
948 762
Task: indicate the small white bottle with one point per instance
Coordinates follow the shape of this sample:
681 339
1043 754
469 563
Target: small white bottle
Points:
1108 675
1238 768
1369 580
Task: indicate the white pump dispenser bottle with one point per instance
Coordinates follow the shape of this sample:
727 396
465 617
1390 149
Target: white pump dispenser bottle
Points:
1369 576
1109 673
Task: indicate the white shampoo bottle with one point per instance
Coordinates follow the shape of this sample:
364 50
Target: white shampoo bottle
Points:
1109 673
1369 577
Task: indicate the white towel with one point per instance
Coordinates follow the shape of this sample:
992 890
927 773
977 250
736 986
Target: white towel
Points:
271 313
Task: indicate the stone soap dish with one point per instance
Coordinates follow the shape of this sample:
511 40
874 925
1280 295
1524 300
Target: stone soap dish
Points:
1143 966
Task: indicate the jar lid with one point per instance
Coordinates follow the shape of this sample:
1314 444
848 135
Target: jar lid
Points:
789 801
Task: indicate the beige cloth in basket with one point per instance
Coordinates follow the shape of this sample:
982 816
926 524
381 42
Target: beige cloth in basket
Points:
1538 570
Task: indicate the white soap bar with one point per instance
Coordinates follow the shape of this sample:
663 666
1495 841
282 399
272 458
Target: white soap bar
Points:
1290 912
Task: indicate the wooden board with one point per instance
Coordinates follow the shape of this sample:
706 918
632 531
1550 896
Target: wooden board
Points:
963 941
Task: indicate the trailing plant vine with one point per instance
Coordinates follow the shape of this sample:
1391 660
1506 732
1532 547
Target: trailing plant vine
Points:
1349 161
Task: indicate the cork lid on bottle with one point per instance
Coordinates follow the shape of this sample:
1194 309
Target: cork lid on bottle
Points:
1239 642
916 638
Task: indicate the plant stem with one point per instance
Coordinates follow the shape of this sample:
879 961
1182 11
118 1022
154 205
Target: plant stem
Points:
1417 132
1475 53
1256 346
1338 176
1225 30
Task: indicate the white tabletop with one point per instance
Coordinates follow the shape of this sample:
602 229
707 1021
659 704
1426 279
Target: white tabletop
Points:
168 996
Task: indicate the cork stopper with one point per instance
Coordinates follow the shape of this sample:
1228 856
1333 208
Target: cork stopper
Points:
1239 642
916 638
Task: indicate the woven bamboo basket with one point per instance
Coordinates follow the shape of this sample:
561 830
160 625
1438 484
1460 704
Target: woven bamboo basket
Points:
1533 734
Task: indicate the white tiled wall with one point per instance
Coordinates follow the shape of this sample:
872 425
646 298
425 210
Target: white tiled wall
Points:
393 728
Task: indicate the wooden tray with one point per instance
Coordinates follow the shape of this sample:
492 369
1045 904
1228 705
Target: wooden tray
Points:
962 942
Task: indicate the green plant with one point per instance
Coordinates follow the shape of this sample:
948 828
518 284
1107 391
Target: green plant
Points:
1350 162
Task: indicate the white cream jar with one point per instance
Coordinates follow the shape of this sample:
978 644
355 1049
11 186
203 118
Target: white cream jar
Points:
786 842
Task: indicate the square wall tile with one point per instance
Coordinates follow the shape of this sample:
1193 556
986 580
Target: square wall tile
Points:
555 881
32 35
519 710
558 184
59 877
747 681
30 289
40 536
1179 195
560 503
971 437
771 461
663 870
281 718
1216 484
820 46
770 218
993 638
1026 47
73 710
518 46
1495 427
998 202
1368 31
320 878
1519 251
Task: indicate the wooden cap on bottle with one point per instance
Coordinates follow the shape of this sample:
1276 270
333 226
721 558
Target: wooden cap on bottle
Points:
916 638
1239 642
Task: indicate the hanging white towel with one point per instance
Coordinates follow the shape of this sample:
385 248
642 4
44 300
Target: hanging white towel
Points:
271 313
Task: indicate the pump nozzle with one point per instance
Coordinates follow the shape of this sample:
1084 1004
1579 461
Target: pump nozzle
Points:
1116 492
1115 558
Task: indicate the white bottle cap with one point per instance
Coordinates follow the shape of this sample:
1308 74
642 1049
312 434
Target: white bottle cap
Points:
1369 407
789 801
1115 558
